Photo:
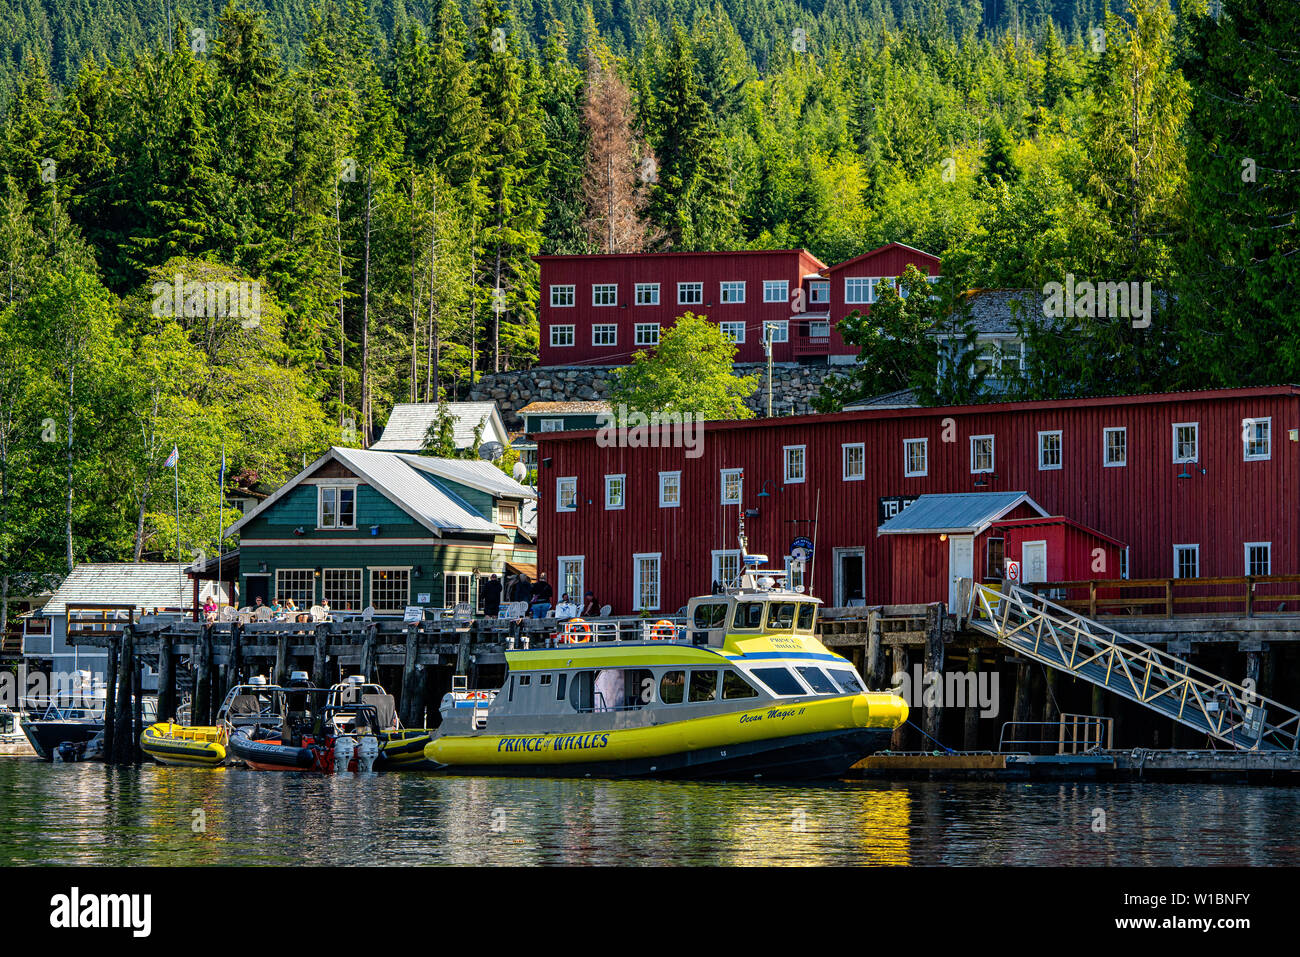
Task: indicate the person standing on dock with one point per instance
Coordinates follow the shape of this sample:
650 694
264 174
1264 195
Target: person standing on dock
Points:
541 597
492 596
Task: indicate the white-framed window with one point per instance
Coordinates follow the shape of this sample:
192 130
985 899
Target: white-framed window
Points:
647 294
562 297
916 457
566 493
859 291
615 491
795 464
670 489
777 329
604 294
1049 451
1114 447
733 486
562 335
647 333
296 583
776 290
819 328
726 565
734 330
1187 441
572 578
731 292
604 334
1187 561
819 290
981 453
1257 439
690 293
336 506
551 425
456 588
853 457
1259 558
645 581
390 589
507 514
341 587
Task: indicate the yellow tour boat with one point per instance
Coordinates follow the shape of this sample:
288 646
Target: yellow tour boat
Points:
742 689
195 747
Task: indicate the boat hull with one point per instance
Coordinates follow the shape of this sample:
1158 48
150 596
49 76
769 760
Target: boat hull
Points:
270 756
794 740
183 747
403 750
46 736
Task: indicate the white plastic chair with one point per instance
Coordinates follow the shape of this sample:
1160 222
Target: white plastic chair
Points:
368 613
605 610
461 612
264 613
317 613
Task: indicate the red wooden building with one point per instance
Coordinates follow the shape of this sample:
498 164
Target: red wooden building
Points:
1190 484
600 309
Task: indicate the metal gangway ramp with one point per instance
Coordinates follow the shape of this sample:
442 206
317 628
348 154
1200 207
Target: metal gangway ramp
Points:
1043 631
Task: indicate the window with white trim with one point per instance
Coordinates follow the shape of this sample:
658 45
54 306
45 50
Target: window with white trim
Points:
572 577
562 335
647 294
1187 441
981 454
456 588
726 566
777 329
853 457
507 515
341 588
819 329
604 294
296 583
690 293
566 493
1257 439
551 425
336 506
859 291
615 486
795 462
645 581
819 291
1114 447
647 333
562 297
390 589
1187 561
733 330
670 489
604 334
1049 451
916 457
733 484
732 292
776 290
1259 558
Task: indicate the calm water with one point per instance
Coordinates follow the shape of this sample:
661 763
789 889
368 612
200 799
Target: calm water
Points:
91 814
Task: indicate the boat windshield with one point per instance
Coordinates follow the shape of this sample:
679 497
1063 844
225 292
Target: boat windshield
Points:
711 615
749 615
818 681
807 612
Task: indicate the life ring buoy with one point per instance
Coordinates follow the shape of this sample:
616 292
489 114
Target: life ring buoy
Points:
577 631
663 630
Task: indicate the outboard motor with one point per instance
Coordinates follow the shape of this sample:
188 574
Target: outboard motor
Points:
345 747
367 753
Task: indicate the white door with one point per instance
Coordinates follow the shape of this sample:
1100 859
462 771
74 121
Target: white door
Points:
961 564
1033 562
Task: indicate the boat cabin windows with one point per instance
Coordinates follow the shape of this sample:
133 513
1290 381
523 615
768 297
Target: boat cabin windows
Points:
711 615
780 680
671 687
525 680
544 679
807 614
704 685
847 680
560 687
749 615
734 685
781 615
818 681
611 689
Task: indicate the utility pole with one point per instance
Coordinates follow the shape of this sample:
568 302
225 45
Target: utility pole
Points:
767 348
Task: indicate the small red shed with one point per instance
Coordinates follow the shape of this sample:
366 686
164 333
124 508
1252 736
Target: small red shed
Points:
1057 548
940 539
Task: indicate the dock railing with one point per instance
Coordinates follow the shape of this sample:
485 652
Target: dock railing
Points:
1248 595
1069 734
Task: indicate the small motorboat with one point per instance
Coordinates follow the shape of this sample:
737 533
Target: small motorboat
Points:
12 739
177 744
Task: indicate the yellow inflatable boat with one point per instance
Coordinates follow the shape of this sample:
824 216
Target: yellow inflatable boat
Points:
197 747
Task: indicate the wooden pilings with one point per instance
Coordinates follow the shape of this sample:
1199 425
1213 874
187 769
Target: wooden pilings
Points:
900 737
124 743
166 682
932 709
412 672
971 729
201 703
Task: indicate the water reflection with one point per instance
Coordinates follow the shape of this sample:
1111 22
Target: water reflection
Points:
90 814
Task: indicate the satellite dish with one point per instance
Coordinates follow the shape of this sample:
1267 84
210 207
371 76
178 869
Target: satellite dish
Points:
520 472
491 451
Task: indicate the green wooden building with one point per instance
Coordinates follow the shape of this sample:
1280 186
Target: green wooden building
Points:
555 417
385 530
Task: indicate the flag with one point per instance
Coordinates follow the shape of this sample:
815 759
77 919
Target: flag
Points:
171 459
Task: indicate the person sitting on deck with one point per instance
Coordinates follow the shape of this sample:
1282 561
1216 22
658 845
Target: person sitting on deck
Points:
209 609
325 607
590 607
290 609
541 596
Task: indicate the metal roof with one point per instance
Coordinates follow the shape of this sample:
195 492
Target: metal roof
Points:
404 479
409 423
144 585
956 513
561 408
